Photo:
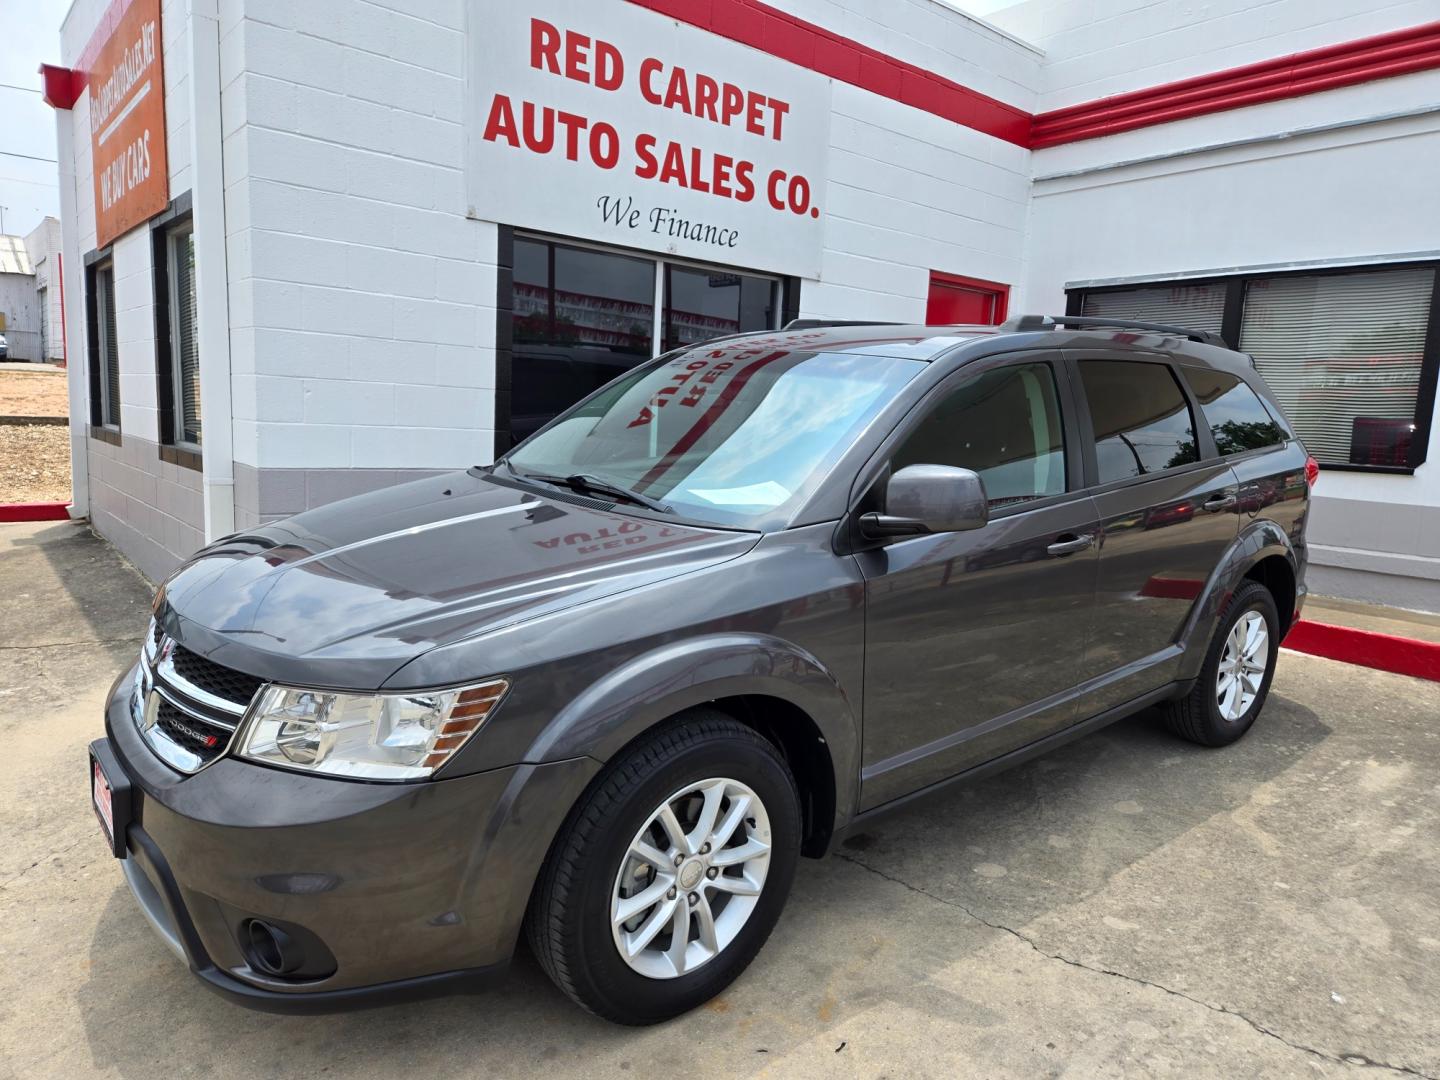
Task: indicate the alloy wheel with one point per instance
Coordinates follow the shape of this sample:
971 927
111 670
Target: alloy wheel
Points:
1242 665
690 878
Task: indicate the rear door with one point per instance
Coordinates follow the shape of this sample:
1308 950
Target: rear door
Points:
974 640
1167 505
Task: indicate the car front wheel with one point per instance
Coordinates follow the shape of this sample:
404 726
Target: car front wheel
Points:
670 873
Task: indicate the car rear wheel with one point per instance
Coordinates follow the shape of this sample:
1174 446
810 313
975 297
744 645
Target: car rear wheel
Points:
670 873
1235 679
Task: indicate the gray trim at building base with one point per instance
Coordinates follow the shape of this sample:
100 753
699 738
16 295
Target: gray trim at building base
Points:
151 510
263 495
1392 590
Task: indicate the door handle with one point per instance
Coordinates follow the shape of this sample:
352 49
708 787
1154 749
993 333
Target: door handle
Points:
1216 503
1072 545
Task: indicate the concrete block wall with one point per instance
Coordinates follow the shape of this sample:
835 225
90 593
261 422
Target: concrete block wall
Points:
908 191
362 297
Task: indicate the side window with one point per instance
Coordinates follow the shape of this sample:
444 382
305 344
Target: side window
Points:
1005 425
1142 421
1238 418
184 350
104 348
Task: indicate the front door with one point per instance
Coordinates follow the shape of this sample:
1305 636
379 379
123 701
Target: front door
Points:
974 640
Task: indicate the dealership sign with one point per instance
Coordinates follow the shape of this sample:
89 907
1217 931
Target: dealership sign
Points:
126 90
613 123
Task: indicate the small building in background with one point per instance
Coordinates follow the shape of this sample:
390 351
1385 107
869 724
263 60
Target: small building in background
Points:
19 316
42 245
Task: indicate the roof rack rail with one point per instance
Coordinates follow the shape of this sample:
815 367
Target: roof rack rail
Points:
1050 322
815 324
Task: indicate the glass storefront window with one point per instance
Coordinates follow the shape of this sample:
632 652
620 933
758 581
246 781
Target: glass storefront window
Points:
583 316
702 304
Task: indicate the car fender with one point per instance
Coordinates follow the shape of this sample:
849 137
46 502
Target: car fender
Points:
655 685
1258 540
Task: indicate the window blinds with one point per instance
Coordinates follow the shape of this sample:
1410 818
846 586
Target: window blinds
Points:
187 350
1343 354
1195 307
109 349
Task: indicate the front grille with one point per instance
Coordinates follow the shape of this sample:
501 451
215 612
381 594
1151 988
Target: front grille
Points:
190 732
213 678
186 706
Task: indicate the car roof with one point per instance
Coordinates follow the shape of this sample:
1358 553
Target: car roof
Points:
930 341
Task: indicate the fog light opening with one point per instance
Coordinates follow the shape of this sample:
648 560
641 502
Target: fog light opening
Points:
271 950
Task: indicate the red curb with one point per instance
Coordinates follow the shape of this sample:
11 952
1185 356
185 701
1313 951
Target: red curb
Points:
1386 652
34 512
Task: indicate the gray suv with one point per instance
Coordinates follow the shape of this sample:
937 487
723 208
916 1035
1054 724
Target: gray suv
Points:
608 690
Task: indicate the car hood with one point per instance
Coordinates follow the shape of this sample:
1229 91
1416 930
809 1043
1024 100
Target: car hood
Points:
355 589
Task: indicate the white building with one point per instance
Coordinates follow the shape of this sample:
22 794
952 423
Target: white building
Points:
369 241
19 320
42 246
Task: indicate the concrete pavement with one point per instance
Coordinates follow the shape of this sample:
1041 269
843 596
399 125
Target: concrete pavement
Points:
1130 905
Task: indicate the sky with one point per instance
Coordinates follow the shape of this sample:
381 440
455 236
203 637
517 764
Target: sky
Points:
28 188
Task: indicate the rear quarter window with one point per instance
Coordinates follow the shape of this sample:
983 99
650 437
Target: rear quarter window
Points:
1238 419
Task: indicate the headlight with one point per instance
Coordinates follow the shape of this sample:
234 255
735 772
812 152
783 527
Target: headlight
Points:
366 736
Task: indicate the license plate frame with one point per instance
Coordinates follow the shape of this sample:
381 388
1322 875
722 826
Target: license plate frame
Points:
110 796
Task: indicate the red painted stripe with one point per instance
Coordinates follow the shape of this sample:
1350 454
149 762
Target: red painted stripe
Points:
1386 652
1416 48
782 35
760 26
34 512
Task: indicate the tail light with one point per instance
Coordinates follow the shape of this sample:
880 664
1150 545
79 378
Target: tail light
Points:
1312 472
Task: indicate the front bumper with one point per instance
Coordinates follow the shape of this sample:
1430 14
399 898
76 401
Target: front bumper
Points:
413 889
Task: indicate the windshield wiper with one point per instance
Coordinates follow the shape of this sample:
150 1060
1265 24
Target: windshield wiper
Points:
587 482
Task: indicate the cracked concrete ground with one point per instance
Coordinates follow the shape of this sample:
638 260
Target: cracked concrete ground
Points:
1128 906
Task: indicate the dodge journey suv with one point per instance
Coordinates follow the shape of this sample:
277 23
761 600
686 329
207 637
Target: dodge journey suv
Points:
605 692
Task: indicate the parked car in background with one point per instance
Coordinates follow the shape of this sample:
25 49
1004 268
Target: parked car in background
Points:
4 348
608 690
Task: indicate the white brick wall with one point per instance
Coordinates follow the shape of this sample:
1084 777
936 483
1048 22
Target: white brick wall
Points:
352 263
936 37
910 193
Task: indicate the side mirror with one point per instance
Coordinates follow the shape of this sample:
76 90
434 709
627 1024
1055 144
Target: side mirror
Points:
929 499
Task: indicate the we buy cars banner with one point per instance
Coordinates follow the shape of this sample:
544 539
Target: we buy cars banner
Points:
125 75
609 122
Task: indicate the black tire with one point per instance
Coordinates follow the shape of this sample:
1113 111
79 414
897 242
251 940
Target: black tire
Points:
568 921
1197 715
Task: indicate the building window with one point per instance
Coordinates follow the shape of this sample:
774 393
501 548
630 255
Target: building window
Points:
702 304
1351 355
104 350
967 301
583 315
179 369
1196 307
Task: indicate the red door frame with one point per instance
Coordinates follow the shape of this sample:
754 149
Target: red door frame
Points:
998 292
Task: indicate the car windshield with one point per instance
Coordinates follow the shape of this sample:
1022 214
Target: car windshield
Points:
737 435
